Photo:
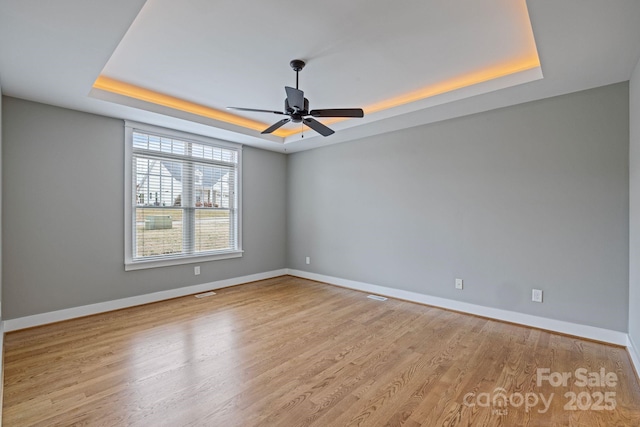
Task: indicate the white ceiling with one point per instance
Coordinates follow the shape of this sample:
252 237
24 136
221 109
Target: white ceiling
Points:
358 53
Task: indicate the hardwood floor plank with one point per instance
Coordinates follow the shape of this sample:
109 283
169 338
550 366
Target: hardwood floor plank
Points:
293 352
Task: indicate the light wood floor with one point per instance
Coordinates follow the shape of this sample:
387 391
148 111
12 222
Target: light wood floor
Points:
292 352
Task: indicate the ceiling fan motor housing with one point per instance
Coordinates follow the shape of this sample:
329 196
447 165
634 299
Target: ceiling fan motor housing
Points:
296 117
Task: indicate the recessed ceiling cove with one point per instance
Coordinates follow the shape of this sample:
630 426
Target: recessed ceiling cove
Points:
192 59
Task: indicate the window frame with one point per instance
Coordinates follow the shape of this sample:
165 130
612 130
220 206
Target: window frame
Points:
129 209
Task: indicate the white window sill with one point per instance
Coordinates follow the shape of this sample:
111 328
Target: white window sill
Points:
130 265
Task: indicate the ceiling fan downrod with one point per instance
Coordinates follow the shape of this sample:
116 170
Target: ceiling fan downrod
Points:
297 65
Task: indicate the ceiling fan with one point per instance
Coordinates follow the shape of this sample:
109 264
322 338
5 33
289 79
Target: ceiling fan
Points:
296 106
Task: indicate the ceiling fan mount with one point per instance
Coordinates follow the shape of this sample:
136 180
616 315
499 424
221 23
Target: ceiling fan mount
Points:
296 106
297 65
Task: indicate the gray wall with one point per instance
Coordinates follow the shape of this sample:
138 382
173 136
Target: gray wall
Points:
63 198
1 315
535 195
634 207
530 196
1 324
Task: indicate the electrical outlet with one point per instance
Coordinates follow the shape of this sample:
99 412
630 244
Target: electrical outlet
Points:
308 260
458 283
196 270
536 295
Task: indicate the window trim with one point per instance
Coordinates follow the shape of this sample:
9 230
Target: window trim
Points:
129 262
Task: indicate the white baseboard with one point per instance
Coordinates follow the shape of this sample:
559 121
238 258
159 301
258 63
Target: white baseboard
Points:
87 310
584 331
633 353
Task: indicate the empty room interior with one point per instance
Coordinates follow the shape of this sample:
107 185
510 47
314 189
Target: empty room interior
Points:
363 213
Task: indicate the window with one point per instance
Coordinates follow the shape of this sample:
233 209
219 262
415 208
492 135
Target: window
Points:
182 198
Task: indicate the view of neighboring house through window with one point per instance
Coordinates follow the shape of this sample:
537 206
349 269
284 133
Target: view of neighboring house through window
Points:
184 198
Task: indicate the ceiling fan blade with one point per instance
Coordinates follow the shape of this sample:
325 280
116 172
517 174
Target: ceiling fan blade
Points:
338 112
318 127
295 98
275 126
255 110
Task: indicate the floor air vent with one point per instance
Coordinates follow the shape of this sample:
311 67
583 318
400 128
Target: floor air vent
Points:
376 297
205 294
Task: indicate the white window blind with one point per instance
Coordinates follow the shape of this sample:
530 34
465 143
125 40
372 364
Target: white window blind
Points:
183 198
